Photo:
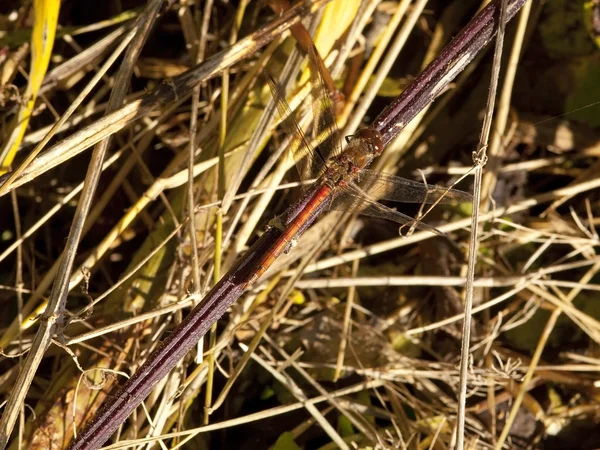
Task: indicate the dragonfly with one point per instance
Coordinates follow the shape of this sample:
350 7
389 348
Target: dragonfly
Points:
343 180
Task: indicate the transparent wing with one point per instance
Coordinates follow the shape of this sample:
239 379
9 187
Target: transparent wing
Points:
303 152
325 130
383 186
353 198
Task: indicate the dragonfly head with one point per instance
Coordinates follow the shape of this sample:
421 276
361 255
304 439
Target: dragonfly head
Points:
372 139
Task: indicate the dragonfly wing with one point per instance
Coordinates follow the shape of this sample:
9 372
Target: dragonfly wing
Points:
353 198
383 186
301 149
325 128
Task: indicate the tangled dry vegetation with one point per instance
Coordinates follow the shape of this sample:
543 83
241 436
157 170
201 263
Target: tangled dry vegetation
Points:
354 337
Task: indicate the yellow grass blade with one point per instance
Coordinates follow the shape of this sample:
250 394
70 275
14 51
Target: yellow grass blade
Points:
337 18
42 41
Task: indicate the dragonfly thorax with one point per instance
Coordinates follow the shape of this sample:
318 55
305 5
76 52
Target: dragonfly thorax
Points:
363 146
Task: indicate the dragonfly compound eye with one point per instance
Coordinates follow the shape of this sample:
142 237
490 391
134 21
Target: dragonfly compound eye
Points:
372 138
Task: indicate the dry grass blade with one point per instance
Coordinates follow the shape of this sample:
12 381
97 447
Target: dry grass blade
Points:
299 394
53 316
163 94
390 58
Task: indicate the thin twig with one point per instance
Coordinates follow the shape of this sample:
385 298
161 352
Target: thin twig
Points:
192 155
347 323
19 291
220 212
479 159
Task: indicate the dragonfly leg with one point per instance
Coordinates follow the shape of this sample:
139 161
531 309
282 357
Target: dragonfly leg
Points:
276 223
290 245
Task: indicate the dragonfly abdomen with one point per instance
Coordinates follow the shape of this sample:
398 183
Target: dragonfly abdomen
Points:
291 231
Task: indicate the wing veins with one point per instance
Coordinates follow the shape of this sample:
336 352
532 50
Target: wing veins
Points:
369 207
301 148
325 127
385 186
